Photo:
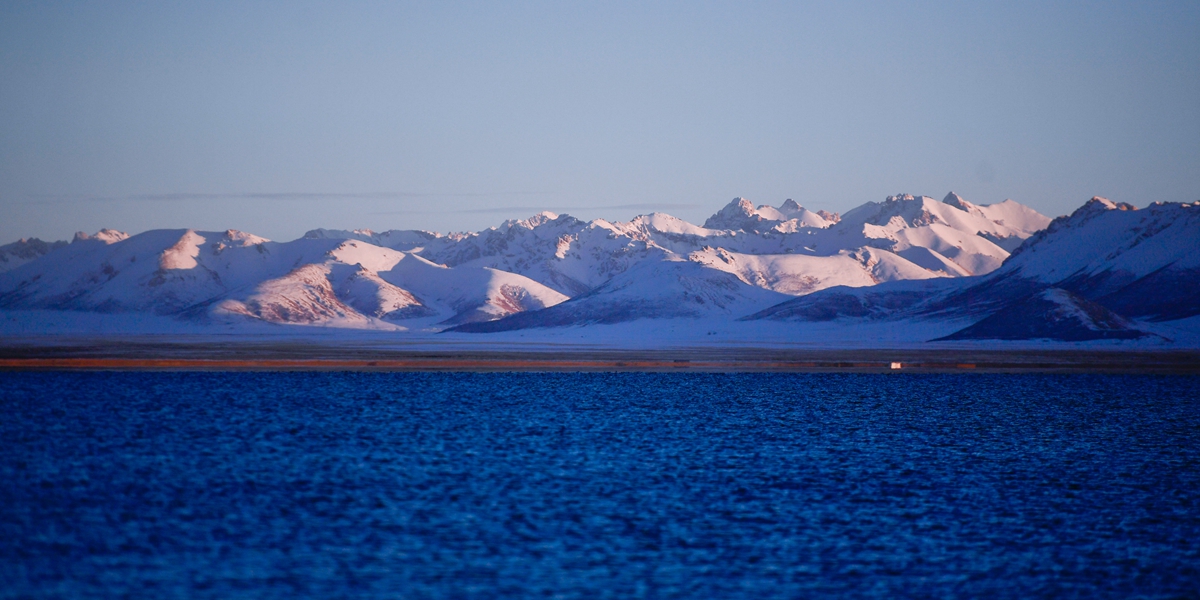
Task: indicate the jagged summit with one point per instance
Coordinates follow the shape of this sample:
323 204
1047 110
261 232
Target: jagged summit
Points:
958 202
1105 268
1088 276
741 215
738 209
108 236
1141 263
1106 204
536 220
25 250
241 238
831 217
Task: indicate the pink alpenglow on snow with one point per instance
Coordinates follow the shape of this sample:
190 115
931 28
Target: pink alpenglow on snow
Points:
907 260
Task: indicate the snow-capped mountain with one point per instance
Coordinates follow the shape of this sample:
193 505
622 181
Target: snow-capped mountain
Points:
664 286
24 250
1138 262
1001 270
1085 276
952 236
788 217
574 257
902 238
221 275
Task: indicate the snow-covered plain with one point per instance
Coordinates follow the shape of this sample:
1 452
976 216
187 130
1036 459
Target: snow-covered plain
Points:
886 274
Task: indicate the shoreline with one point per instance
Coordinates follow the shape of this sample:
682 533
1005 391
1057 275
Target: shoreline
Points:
131 355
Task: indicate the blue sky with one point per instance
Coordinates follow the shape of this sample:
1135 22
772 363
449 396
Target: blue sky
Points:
276 118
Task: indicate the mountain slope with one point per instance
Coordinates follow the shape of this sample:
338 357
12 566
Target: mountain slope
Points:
741 215
1140 263
565 270
667 288
951 239
1054 314
197 275
25 250
955 230
895 299
161 271
1083 277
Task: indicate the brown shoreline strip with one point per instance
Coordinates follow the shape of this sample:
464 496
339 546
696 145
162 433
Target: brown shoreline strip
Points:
544 364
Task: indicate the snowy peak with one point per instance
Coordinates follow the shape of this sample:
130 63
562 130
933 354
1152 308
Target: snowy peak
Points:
1098 203
1083 278
535 221
237 239
183 254
365 235
234 237
568 271
790 207
738 210
403 240
470 294
923 221
958 202
653 223
799 274
831 217
366 292
107 236
365 255
1102 229
202 276
25 250
929 233
1141 263
662 287
573 257
1015 216
303 296
901 211
741 215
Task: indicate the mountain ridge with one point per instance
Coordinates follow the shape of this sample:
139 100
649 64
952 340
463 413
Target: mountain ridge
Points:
909 257
1107 259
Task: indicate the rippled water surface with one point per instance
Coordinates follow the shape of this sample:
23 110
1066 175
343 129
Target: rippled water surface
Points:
593 485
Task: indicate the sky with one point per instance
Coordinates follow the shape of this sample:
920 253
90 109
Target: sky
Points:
277 118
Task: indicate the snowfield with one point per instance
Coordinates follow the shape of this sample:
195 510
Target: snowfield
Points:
907 270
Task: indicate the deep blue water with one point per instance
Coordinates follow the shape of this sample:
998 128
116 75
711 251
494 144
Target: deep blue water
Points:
598 485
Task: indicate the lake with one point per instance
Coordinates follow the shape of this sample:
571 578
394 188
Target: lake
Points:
428 485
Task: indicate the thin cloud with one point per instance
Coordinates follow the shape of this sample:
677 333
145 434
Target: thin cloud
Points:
306 196
190 196
648 206
498 209
502 209
536 209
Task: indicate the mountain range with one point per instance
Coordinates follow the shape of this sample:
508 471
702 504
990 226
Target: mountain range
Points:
1000 271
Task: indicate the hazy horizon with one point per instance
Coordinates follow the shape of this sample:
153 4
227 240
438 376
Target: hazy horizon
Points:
278 118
